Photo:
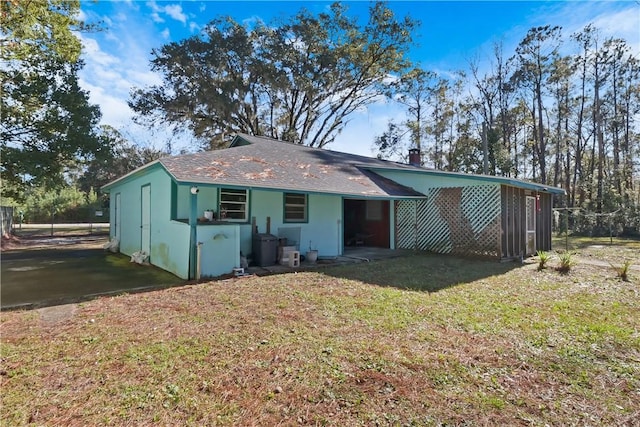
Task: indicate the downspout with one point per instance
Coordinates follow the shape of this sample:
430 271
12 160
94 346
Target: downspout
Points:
338 240
193 222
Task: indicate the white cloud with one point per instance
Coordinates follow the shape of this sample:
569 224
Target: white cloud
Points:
115 110
133 5
109 35
194 27
113 66
107 21
156 11
120 17
93 53
156 18
358 136
252 21
612 19
143 77
165 34
624 24
153 6
175 11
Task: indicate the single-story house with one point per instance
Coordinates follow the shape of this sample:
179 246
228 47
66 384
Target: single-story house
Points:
196 213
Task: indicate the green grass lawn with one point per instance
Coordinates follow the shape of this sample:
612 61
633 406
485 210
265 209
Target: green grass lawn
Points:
421 340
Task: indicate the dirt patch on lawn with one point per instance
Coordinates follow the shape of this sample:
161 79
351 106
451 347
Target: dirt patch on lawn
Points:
611 256
56 314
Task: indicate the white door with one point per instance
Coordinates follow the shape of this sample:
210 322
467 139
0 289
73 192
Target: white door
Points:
116 224
531 225
145 225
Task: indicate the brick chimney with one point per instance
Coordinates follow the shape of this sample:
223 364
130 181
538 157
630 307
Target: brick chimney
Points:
414 157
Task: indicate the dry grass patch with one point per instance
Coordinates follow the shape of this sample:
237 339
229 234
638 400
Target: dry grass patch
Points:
422 340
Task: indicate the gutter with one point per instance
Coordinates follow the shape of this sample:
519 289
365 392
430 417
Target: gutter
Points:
488 178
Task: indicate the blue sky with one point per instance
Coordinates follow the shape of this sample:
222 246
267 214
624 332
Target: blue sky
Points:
450 35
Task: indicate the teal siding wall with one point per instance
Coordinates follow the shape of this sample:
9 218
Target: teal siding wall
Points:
265 204
245 238
220 249
169 239
170 246
423 182
183 200
323 229
207 199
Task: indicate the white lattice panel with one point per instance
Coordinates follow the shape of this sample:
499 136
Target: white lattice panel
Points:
406 224
462 220
481 205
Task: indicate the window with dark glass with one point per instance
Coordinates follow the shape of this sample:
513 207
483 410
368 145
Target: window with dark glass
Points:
233 204
295 207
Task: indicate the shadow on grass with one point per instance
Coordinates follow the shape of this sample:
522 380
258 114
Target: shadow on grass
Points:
424 272
44 277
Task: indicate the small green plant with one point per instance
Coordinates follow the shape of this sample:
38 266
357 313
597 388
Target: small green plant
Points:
566 262
623 271
543 259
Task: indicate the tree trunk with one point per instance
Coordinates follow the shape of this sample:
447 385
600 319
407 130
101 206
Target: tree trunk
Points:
542 145
599 140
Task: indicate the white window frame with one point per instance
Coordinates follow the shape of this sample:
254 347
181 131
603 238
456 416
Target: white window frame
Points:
304 205
224 204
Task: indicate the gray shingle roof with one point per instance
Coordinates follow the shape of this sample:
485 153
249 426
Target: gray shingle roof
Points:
268 163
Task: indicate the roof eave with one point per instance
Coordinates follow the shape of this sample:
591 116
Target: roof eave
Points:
267 187
107 187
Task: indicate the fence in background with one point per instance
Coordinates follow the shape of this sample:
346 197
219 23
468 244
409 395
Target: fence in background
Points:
61 229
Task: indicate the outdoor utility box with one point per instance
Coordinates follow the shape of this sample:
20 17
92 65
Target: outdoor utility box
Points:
265 249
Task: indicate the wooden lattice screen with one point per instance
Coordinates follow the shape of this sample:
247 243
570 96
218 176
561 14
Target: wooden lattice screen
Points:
460 220
514 243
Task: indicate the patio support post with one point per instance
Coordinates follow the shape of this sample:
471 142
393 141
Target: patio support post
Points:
392 224
193 222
